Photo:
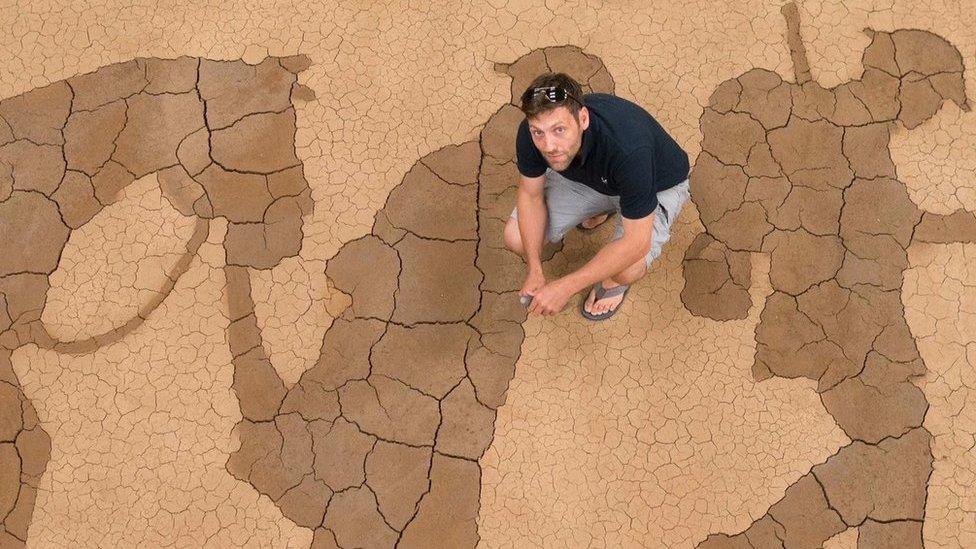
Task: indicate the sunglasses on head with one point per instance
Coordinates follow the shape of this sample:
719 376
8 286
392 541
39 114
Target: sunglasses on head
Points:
555 94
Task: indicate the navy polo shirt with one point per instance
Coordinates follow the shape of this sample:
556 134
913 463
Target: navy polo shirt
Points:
624 153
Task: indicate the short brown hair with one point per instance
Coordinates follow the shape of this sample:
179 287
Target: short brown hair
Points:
536 101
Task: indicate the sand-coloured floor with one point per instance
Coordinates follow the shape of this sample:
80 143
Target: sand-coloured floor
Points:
255 292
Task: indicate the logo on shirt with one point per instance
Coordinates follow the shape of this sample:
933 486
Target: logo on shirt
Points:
604 180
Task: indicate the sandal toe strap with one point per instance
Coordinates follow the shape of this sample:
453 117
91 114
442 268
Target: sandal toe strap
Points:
602 292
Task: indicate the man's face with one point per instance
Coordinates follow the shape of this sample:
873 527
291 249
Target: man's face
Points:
558 135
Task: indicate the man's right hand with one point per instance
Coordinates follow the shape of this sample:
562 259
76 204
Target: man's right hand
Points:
533 282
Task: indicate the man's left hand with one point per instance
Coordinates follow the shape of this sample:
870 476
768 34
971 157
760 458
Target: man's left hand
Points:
551 298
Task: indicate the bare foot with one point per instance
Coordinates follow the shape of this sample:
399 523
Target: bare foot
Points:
605 304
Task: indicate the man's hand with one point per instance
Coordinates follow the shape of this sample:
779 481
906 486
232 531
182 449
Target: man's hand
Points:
551 298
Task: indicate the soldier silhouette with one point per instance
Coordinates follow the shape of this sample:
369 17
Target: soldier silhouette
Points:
377 444
804 174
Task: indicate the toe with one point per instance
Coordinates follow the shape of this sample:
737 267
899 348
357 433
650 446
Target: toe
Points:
608 305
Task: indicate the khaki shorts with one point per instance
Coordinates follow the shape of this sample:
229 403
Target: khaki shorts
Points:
569 203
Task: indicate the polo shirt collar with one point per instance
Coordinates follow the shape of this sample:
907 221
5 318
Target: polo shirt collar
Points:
587 145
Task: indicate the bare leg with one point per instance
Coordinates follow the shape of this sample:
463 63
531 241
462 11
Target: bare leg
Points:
513 239
595 221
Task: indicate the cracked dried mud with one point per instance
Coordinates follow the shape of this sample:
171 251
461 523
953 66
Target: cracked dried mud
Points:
254 289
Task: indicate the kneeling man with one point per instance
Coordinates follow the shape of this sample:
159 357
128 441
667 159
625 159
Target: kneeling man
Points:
584 158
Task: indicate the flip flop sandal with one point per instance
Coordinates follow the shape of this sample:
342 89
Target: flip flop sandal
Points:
601 293
582 228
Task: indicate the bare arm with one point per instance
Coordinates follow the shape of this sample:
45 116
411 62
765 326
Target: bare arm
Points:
530 199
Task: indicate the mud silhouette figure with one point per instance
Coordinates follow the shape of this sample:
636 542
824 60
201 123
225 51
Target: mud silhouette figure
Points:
219 136
377 445
804 174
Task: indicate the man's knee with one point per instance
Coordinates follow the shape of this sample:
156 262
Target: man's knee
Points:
513 239
631 274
